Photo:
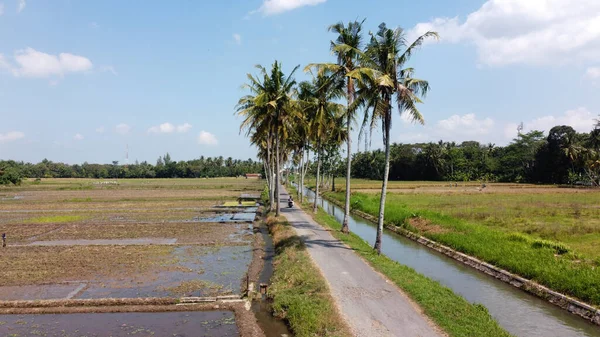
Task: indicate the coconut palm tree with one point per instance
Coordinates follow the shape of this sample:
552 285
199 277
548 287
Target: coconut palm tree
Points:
387 54
258 123
278 100
267 112
303 130
323 114
347 49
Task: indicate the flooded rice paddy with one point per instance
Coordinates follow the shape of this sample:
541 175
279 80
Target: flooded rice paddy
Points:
79 239
175 324
191 271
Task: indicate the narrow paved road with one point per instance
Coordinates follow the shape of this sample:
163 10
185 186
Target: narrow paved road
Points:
371 305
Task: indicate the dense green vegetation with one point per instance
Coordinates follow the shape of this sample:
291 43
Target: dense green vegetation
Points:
455 315
299 292
562 157
12 172
550 263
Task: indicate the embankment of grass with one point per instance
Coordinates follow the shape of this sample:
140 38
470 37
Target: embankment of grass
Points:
549 263
452 313
299 291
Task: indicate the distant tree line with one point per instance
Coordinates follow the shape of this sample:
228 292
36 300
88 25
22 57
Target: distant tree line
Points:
12 172
563 157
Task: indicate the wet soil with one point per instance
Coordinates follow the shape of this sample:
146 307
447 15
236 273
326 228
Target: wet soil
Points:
180 271
199 271
100 242
208 323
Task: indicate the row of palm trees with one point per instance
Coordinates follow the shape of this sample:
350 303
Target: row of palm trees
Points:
286 120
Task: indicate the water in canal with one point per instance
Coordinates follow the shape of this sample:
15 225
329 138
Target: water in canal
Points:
518 312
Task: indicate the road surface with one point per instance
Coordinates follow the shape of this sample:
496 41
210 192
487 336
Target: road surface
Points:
370 304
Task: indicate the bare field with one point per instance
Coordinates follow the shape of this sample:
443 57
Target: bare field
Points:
72 238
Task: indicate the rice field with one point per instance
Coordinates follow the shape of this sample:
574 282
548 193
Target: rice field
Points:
86 238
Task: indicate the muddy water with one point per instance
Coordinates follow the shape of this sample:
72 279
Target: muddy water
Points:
518 312
262 308
182 324
221 269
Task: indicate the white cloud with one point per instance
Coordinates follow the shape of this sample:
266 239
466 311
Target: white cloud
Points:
11 136
207 138
100 129
170 128
580 119
593 72
272 7
122 129
163 128
237 38
78 136
184 128
454 128
467 125
1 8
460 128
21 5
109 69
33 63
535 32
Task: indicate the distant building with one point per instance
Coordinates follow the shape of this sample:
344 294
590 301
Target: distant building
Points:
253 175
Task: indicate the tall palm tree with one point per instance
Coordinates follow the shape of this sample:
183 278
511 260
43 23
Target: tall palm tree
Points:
387 54
258 123
266 113
303 129
347 49
278 99
324 115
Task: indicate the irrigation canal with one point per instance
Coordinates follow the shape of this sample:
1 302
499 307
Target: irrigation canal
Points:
518 312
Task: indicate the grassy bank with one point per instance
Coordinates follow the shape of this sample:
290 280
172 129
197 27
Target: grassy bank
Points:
449 311
551 263
299 292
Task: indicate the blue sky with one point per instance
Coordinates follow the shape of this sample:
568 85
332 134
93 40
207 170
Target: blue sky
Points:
81 80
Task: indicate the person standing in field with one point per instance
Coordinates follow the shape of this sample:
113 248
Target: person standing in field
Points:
3 240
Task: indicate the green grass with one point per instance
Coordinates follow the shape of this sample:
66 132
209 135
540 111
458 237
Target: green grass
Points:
551 263
449 311
566 215
56 219
299 292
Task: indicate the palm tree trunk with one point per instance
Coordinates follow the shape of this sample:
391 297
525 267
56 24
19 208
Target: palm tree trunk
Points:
266 168
277 193
298 181
318 173
333 184
273 187
345 228
270 178
386 172
301 186
302 174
